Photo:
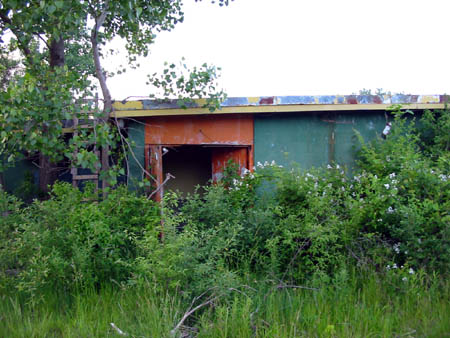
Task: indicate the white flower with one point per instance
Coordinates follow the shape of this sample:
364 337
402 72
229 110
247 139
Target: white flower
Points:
396 247
443 177
390 210
404 279
342 188
394 266
337 166
387 186
259 164
273 163
388 267
411 271
380 220
391 176
329 166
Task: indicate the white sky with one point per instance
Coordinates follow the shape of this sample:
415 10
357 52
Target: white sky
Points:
307 47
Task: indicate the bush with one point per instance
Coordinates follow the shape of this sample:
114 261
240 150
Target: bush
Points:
72 241
289 225
299 225
405 180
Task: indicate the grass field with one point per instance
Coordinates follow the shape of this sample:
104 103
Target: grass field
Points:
357 307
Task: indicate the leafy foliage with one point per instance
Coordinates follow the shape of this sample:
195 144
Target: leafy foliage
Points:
72 241
187 84
61 45
285 225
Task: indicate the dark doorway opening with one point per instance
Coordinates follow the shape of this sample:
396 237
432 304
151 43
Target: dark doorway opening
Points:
191 166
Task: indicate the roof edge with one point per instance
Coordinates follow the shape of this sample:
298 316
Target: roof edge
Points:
146 107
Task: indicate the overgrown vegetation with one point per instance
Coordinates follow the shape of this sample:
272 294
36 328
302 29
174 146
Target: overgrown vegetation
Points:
277 252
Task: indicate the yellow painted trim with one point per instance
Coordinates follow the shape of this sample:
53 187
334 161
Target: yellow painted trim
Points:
254 99
271 109
128 105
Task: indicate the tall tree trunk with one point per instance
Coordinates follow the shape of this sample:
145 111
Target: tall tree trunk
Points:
107 100
47 169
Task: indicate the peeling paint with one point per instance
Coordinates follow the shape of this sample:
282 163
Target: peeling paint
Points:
253 100
239 101
286 101
326 99
266 100
430 98
352 100
128 105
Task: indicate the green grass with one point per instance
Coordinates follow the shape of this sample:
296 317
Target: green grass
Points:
358 307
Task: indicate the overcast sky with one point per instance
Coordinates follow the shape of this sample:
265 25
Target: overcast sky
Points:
307 47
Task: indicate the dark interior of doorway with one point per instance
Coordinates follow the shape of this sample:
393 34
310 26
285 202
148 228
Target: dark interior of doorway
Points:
191 166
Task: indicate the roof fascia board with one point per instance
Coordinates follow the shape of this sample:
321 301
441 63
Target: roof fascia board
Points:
271 109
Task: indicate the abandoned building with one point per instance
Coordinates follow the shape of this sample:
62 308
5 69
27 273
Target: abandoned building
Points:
193 144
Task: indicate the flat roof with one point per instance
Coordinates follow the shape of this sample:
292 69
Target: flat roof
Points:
279 104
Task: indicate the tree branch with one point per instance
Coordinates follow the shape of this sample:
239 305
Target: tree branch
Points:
9 24
98 67
188 313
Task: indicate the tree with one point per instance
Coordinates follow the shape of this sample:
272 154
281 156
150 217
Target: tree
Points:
68 33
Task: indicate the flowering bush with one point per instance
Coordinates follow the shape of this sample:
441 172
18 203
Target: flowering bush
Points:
408 196
392 215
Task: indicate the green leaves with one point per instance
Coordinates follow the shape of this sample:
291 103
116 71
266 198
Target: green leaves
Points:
188 84
57 39
32 114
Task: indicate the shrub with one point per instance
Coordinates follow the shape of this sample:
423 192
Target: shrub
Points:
72 241
405 182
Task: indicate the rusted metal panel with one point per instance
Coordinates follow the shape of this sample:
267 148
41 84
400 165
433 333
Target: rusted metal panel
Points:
156 169
221 156
200 130
231 137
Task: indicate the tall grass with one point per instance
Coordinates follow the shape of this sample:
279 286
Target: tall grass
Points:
358 307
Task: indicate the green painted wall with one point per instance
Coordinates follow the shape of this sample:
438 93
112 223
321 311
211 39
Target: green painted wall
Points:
14 177
136 134
313 139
